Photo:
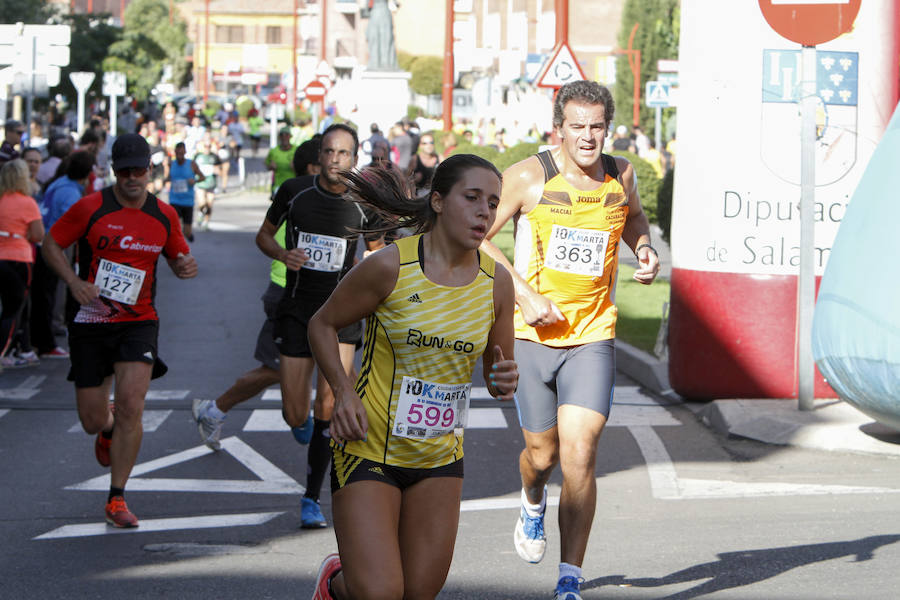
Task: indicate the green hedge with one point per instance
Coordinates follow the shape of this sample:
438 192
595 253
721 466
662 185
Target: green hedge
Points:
648 183
664 204
656 193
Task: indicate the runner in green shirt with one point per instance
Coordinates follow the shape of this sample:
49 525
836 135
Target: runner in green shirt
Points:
254 124
279 159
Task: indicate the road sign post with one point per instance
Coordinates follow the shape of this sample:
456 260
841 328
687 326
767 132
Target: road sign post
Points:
35 52
659 96
82 81
808 22
114 84
315 91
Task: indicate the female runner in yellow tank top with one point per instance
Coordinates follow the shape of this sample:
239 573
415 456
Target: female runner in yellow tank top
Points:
433 304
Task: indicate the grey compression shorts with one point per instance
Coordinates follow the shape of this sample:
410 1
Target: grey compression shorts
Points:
549 377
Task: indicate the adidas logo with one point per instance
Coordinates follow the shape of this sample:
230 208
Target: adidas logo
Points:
148 354
415 298
377 470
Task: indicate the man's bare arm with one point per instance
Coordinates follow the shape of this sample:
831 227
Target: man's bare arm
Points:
522 187
637 228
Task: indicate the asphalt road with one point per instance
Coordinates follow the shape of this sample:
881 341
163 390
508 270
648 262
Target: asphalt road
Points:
682 512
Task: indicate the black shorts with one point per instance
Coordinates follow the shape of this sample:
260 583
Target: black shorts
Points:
95 347
291 335
185 213
266 351
347 469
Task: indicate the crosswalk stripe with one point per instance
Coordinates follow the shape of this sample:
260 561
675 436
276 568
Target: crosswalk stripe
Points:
162 395
263 419
26 390
148 525
486 418
266 420
151 420
477 393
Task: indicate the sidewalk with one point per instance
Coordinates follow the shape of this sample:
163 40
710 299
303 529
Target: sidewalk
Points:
831 425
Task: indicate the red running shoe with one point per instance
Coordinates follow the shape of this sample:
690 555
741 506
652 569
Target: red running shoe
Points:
101 449
330 567
118 515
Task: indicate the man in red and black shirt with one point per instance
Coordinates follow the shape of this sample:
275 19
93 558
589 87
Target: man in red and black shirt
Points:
120 232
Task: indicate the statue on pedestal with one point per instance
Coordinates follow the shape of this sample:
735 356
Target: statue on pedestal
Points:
380 37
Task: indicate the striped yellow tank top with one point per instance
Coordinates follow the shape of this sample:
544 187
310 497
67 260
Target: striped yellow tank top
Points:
420 349
566 249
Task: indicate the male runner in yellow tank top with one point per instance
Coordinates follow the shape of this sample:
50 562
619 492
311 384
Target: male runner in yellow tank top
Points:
572 206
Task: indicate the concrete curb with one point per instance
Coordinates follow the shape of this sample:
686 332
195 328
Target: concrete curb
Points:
831 425
645 369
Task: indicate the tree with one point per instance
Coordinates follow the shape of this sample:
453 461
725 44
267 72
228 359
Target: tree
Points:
92 37
656 38
30 12
147 45
427 75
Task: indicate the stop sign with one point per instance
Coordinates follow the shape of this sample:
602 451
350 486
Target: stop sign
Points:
315 90
810 22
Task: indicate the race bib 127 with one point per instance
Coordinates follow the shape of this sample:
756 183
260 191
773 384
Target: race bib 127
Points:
118 282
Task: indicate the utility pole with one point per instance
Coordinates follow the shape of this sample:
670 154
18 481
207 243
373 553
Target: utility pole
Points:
447 85
294 73
322 53
562 21
206 58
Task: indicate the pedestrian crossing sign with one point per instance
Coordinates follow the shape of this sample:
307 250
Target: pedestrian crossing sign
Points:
658 94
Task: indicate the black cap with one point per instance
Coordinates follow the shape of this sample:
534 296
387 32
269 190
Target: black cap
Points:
130 150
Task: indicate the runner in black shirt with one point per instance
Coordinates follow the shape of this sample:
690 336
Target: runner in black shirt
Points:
320 247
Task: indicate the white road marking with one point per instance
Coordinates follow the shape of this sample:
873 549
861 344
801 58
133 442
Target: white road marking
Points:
33 381
3 411
265 419
272 480
476 393
666 485
149 525
705 488
486 418
162 395
151 420
222 226
663 478
25 390
500 503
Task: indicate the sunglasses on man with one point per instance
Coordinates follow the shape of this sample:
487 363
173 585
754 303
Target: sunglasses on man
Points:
127 172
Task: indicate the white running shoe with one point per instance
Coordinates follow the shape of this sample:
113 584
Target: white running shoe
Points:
210 428
531 543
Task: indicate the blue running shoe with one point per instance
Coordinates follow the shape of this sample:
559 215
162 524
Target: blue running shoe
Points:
311 516
568 588
529 536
